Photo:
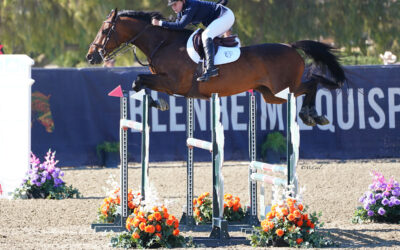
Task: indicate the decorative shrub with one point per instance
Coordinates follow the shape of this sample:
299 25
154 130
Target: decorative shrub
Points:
111 206
381 203
288 224
150 229
233 210
202 207
44 180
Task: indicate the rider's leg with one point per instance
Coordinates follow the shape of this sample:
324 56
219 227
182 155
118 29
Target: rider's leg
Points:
218 27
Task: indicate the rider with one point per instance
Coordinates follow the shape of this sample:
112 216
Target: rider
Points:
216 17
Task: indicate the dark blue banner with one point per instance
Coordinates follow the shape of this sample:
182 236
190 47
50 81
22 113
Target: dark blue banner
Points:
72 114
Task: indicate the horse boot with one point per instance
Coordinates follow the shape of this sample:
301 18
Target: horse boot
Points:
211 70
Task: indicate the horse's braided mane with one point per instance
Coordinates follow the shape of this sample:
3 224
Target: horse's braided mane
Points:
141 15
146 16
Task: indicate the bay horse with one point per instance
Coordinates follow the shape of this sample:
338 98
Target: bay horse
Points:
267 68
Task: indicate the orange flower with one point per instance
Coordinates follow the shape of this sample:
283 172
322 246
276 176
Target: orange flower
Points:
175 232
309 223
264 223
312 225
199 202
194 202
228 196
273 208
155 209
170 222
166 215
130 197
135 236
136 211
158 228
235 208
300 223
300 206
171 217
206 194
266 229
280 232
270 215
150 217
131 205
141 214
291 217
164 209
299 241
297 214
271 225
285 211
197 212
158 216
158 235
230 203
176 224
118 201
136 223
150 229
142 226
305 216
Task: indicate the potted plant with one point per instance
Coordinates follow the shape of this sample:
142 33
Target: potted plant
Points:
273 147
108 153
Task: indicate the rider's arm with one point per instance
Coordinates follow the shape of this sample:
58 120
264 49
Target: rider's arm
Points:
183 21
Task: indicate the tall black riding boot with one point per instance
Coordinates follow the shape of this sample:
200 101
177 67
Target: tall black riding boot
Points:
211 70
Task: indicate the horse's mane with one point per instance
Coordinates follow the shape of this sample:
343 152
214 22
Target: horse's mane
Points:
141 15
146 16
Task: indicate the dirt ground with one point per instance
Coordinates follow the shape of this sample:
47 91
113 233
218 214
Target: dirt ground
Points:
332 187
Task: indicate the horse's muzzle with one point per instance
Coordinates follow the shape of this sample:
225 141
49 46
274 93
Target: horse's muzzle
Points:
94 58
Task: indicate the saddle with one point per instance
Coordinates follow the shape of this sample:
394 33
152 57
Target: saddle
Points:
229 41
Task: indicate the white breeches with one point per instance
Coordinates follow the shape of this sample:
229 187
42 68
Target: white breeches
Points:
219 26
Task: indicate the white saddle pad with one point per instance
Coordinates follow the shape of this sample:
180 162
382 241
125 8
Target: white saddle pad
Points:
224 55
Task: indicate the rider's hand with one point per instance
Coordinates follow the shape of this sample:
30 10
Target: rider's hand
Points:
155 22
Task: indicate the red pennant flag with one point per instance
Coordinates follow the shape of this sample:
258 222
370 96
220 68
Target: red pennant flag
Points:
117 92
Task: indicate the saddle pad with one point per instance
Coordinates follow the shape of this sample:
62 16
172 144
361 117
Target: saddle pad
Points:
224 55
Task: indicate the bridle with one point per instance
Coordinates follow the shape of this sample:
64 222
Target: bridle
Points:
125 47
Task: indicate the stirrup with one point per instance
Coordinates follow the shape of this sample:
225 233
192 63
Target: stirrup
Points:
208 74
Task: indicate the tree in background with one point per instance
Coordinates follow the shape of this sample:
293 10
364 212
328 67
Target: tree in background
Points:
59 31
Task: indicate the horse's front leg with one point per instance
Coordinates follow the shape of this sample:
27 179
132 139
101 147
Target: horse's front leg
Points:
153 82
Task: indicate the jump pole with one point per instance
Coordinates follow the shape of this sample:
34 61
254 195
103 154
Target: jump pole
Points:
143 127
292 158
219 235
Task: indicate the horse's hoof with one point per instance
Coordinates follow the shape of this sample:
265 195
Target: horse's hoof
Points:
162 105
307 120
321 120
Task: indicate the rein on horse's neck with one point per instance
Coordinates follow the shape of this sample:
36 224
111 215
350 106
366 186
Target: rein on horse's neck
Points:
150 38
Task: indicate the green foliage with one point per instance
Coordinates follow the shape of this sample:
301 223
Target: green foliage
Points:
59 31
46 191
111 147
275 141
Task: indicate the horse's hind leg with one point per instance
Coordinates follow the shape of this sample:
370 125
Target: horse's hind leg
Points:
308 112
268 96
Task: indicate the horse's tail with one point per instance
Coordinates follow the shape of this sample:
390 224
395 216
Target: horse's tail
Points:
323 56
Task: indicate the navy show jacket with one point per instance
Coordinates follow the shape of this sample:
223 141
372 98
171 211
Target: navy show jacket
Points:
195 12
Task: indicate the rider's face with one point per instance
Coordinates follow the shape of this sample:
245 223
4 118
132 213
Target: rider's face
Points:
177 6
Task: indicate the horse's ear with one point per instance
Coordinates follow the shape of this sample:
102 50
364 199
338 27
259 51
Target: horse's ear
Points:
115 14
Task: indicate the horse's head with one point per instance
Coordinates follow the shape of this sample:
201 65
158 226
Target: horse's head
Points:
106 40
126 27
